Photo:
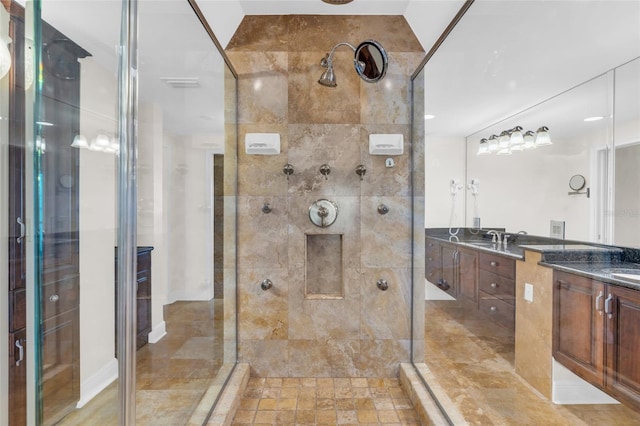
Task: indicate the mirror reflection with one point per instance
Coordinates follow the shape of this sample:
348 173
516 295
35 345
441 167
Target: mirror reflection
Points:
371 61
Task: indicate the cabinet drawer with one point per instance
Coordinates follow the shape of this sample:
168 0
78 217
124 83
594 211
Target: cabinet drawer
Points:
143 283
17 310
60 297
498 310
498 265
498 286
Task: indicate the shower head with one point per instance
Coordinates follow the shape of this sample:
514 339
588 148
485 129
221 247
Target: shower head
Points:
328 78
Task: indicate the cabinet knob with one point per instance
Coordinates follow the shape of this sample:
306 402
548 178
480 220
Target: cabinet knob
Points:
494 264
494 285
430 259
493 309
54 298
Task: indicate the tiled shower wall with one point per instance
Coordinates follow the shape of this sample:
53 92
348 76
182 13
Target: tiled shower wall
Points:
367 332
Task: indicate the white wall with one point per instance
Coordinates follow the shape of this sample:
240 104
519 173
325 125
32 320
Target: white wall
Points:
190 231
97 232
444 161
223 17
151 208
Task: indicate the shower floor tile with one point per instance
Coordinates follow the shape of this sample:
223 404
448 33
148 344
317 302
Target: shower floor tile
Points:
325 401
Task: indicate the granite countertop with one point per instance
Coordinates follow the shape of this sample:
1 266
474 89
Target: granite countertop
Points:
596 261
601 271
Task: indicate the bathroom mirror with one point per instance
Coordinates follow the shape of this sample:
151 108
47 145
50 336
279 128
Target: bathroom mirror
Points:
371 61
577 182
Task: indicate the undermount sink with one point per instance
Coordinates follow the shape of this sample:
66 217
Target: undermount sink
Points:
482 243
624 273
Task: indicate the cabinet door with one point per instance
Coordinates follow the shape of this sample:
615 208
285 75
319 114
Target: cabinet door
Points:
18 378
60 366
468 274
623 344
433 261
448 281
578 326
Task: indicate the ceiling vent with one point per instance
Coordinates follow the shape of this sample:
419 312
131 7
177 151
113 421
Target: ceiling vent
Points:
181 82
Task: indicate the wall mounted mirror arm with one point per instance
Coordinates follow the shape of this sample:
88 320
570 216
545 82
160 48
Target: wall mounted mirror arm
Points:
370 61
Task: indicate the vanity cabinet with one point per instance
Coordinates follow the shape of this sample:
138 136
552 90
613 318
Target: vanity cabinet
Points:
143 296
496 288
596 334
468 274
578 329
452 269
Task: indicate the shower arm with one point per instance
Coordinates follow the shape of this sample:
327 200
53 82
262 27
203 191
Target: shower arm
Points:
328 60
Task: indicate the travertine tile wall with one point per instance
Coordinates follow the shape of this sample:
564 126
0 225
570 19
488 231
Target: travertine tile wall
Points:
282 333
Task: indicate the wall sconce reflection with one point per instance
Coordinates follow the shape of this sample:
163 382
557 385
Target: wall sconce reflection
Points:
101 143
514 140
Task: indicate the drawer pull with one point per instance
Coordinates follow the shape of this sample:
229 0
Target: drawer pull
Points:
494 263
493 309
430 259
54 298
598 302
22 230
494 285
20 352
607 306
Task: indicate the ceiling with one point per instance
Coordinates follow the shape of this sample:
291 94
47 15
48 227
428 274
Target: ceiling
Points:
503 57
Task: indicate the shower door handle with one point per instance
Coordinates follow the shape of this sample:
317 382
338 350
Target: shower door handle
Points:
22 230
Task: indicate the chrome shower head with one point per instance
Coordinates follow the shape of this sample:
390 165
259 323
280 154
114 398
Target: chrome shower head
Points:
328 78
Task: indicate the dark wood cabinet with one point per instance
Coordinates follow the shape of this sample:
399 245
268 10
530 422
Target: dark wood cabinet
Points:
433 261
596 334
57 280
143 296
448 270
496 288
468 274
622 378
578 325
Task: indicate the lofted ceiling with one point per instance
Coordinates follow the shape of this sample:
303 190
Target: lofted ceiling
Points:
503 56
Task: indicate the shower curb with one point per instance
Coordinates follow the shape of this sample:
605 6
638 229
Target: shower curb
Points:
227 406
425 406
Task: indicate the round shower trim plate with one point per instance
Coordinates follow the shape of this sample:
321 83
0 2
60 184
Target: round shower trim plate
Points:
337 1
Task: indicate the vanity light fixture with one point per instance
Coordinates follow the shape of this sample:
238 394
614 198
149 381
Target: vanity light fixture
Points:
514 140
429 116
596 118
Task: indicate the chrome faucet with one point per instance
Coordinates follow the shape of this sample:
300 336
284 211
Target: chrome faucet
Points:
496 236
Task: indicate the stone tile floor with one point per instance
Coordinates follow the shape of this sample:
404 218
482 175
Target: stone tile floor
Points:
325 401
473 361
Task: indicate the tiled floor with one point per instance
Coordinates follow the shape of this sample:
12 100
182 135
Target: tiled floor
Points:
325 401
472 360
172 375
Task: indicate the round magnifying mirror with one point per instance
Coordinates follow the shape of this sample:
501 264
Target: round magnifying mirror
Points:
577 182
371 61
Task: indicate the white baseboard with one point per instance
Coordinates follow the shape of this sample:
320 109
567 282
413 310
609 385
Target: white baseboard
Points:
567 388
98 382
158 332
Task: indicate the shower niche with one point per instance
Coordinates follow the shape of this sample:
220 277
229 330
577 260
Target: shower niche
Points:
323 266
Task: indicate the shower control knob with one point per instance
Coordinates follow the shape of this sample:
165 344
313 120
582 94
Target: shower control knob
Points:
383 209
266 284
325 170
287 170
323 213
382 284
361 171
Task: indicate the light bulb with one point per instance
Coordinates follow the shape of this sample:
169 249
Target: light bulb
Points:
79 141
483 148
5 56
493 143
542 136
504 139
516 137
529 140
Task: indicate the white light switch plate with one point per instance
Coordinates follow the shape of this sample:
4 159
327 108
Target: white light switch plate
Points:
528 292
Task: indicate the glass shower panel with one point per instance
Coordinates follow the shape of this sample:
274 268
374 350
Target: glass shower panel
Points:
74 158
184 160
